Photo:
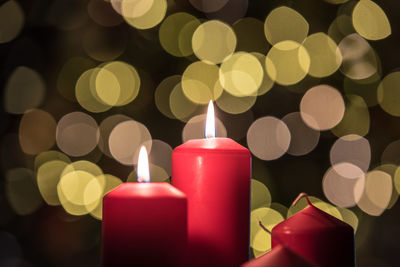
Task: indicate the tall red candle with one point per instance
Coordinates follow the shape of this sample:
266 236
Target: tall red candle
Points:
214 173
280 256
144 224
317 236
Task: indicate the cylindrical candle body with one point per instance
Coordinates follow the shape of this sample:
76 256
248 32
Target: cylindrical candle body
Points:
144 224
215 175
279 257
318 237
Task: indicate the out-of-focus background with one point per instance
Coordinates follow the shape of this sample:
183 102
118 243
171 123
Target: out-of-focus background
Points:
311 87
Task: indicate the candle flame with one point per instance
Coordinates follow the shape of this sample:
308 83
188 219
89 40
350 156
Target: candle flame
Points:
143 174
210 122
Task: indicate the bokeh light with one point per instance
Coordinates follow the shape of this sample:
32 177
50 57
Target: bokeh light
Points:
48 176
377 193
241 74
268 138
388 93
322 107
143 14
105 128
359 59
84 92
163 92
125 139
77 134
356 119
235 105
213 41
24 90
37 131
343 184
287 62
200 82
370 20
181 107
108 182
325 57
352 149
176 33
22 191
285 23
12 20
260 240
303 138
260 195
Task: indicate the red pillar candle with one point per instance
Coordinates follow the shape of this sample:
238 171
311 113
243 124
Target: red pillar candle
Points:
280 256
144 224
316 236
214 173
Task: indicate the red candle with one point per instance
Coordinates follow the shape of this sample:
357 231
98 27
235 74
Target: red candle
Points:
316 236
280 256
214 173
144 224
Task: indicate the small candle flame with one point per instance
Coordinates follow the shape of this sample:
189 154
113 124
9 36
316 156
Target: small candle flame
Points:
143 174
210 122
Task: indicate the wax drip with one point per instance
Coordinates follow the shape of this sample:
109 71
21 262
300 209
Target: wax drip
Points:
300 197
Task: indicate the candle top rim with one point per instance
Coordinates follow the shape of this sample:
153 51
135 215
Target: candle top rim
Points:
312 219
151 190
283 252
216 144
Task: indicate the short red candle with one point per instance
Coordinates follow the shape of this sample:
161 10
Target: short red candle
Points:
214 173
280 256
317 236
144 224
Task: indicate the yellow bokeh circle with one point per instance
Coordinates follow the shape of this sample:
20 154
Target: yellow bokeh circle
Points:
241 74
288 61
213 41
200 82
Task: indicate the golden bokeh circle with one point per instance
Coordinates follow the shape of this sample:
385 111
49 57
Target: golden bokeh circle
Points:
200 82
325 57
241 74
213 41
283 24
143 14
388 94
370 21
176 33
288 62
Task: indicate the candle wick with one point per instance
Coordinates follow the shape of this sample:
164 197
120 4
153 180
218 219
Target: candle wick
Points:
300 197
264 228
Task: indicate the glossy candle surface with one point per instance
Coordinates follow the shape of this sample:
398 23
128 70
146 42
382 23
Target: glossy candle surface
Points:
214 173
144 224
318 237
279 257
